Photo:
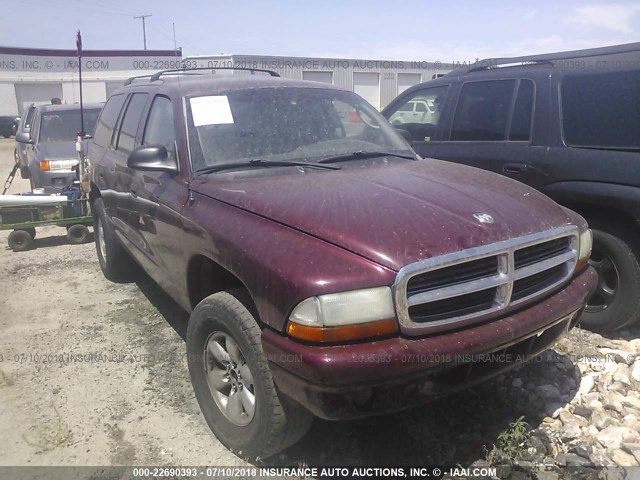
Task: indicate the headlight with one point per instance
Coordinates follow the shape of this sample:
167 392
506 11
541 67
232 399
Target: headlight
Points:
584 249
344 316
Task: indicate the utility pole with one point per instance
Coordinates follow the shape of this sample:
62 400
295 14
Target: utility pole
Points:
144 30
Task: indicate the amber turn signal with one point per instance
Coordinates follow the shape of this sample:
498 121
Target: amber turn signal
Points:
582 264
44 165
342 333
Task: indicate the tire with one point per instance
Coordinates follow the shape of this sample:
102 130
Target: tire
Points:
116 264
20 240
31 230
616 301
219 322
24 173
77 234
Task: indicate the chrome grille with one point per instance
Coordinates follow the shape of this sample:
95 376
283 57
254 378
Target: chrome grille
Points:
464 287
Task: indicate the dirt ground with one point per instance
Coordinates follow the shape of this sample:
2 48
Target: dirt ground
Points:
93 373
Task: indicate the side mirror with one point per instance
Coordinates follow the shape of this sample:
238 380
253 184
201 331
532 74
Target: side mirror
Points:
153 158
405 134
23 137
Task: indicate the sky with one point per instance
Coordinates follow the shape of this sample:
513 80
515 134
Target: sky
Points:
445 31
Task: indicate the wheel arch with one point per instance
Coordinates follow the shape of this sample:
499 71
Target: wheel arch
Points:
206 277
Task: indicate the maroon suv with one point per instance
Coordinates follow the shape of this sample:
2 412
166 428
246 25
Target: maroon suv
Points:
327 269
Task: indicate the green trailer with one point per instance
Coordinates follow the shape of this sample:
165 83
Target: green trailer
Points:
24 217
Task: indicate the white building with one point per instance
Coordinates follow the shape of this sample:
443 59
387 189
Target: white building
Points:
38 75
378 81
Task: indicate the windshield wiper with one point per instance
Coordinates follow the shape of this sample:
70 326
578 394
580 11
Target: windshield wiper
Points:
360 154
263 164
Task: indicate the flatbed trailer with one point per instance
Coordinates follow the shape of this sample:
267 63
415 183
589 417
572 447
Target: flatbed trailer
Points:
26 215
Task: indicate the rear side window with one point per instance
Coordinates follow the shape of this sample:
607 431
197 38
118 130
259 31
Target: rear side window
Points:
601 110
483 111
130 122
160 129
107 120
522 112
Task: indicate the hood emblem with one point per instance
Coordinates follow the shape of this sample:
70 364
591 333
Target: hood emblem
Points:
483 217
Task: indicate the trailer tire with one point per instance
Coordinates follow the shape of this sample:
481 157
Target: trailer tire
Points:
77 234
31 230
20 240
116 264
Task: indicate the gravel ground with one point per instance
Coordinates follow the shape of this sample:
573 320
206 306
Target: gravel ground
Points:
93 373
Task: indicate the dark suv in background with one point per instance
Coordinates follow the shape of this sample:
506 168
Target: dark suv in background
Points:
8 125
327 269
568 125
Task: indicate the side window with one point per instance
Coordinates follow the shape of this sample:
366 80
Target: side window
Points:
601 110
482 111
129 127
522 112
107 120
160 129
420 114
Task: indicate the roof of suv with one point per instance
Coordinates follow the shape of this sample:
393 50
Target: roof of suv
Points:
190 84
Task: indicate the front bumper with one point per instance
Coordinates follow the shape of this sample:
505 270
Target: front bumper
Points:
377 377
55 178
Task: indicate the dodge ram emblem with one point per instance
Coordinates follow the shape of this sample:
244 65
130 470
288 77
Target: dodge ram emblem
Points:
483 217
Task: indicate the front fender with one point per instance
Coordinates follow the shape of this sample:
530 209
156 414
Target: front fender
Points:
280 266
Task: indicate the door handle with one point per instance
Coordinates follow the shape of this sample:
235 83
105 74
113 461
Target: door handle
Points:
134 194
515 168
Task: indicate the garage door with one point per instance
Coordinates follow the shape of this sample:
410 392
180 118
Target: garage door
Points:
406 80
367 85
324 77
38 93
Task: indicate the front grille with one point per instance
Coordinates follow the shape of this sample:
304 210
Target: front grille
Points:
541 251
529 285
453 275
458 306
468 286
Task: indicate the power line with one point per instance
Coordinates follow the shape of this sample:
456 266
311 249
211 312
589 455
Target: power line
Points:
144 29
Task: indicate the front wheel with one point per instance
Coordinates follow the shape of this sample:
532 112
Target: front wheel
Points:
616 300
20 240
233 383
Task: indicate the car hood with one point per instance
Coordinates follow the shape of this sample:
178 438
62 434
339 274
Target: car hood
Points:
64 150
395 214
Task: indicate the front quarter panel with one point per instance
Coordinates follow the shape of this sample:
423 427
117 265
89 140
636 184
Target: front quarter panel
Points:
280 266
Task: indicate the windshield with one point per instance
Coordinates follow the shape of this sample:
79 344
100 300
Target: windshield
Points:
63 125
270 124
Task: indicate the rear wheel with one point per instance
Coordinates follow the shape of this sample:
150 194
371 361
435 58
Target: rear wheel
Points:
116 264
77 234
616 300
233 383
20 240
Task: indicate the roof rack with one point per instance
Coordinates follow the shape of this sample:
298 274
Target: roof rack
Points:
156 76
549 58
130 80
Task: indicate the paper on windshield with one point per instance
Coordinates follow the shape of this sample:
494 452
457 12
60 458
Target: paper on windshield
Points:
211 110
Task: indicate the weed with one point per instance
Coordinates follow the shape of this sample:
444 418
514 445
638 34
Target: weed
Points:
510 442
49 437
5 379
